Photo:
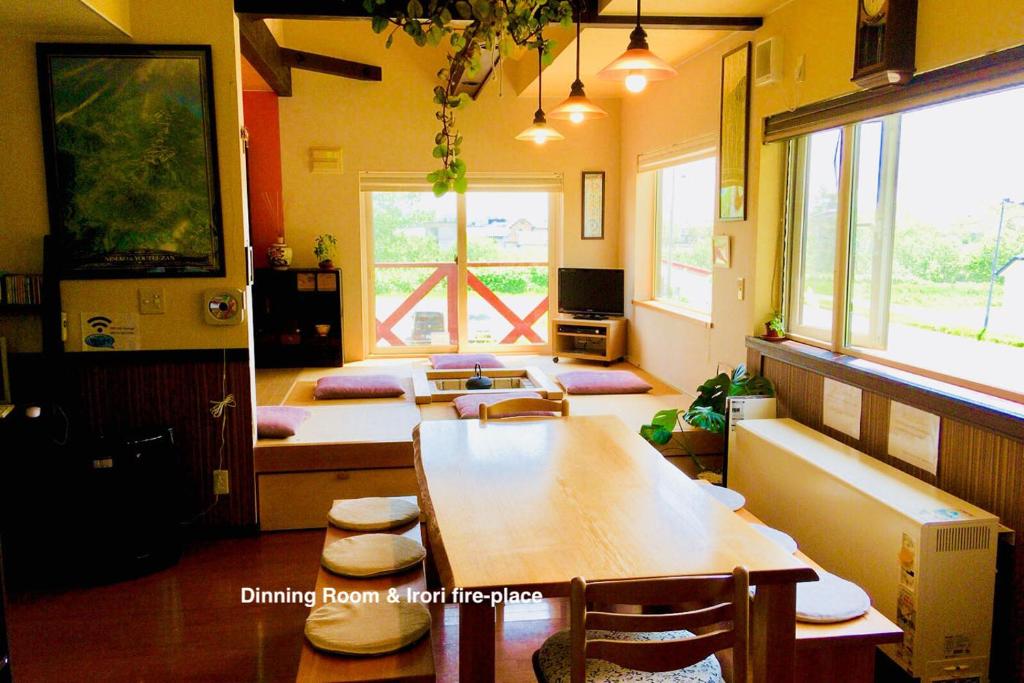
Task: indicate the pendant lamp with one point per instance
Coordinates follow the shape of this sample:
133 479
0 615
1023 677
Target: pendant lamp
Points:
578 107
637 66
540 132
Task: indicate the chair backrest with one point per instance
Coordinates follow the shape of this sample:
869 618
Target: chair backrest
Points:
516 407
720 623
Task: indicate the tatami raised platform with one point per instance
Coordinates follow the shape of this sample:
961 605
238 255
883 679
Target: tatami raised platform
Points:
363 447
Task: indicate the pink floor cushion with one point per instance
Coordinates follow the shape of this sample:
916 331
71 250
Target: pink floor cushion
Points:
279 422
358 386
463 361
603 382
468 406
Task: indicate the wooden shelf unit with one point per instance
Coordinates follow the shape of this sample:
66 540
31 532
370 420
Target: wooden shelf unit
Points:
598 340
287 307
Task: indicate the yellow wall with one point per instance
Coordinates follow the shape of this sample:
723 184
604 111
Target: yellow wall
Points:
117 12
23 212
389 126
683 351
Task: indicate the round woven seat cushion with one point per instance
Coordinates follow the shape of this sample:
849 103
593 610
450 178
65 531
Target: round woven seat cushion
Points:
780 537
553 661
373 514
372 555
366 628
733 500
830 599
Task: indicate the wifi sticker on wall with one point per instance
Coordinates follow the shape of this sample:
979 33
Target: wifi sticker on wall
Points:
110 331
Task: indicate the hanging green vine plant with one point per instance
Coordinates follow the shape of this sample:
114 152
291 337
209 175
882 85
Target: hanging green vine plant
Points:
469 26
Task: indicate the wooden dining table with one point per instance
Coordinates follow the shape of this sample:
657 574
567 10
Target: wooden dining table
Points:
526 505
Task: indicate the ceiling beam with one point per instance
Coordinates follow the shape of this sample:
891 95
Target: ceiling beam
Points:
310 61
305 9
353 9
687 23
262 51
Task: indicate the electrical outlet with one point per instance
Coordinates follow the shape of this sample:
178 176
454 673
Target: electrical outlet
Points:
151 300
220 483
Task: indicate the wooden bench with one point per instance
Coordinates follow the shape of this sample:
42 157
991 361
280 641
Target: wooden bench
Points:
844 651
414 664
349 449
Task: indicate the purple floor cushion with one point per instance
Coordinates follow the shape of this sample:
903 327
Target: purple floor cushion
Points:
358 386
279 422
464 361
468 406
603 382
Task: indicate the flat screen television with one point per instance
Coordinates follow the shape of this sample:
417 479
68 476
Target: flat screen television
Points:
591 292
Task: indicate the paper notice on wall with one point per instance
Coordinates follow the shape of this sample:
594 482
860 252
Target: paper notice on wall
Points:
110 331
914 436
841 410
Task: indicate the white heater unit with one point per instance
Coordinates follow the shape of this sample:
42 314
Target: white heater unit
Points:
926 558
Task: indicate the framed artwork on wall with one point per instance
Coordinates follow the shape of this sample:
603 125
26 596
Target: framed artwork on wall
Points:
720 251
131 159
593 205
733 137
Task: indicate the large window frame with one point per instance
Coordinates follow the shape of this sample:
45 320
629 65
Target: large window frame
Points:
702 153
371 182
870 345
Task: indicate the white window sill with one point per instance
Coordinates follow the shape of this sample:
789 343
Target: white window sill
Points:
676 312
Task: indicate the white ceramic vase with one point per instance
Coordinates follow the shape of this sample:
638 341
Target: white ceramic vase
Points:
279 255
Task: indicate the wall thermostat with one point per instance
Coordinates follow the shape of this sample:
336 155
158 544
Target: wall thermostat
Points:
224 306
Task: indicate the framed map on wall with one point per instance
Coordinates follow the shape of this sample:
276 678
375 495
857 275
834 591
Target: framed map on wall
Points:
131 159
732 173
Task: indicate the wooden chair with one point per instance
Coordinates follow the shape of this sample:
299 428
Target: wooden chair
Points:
722 622
515 407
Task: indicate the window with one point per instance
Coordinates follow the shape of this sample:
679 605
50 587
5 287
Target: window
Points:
494 241
815 210
932 275
684 222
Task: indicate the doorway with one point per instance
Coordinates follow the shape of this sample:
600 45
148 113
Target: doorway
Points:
469 272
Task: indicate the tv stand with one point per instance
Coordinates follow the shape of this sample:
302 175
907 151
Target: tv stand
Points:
589 339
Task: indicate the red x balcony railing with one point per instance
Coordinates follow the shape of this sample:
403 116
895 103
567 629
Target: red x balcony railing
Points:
521 326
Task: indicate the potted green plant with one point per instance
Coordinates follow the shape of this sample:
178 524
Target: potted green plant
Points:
775 327
323 249
707 412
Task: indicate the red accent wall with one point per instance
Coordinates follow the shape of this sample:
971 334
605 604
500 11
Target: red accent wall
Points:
259 111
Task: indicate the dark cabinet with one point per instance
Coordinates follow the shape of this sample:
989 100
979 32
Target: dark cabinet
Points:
297 318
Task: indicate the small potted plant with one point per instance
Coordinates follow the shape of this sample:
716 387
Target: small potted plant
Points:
323 249
775 328
706 414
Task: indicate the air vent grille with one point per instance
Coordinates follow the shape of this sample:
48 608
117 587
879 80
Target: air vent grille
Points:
956 538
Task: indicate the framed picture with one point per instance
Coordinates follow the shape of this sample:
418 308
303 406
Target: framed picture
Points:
131 159
733 138
721 252
593 205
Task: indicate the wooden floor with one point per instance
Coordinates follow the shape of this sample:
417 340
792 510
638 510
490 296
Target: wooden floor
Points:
187 623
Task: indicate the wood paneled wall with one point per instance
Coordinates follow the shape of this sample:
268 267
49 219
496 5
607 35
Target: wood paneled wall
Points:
978 464
108 393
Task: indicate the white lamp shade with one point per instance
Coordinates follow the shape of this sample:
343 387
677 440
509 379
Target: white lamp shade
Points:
637 61
577 108
540 132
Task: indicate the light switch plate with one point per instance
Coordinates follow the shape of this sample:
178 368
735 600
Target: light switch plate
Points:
151 301
741 288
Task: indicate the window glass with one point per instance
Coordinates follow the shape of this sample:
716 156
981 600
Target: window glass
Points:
815 209
937 266
684 224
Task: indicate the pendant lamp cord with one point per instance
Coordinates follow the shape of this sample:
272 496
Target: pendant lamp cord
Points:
540 70
578 21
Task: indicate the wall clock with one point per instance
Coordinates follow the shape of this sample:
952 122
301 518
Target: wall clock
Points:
886 33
